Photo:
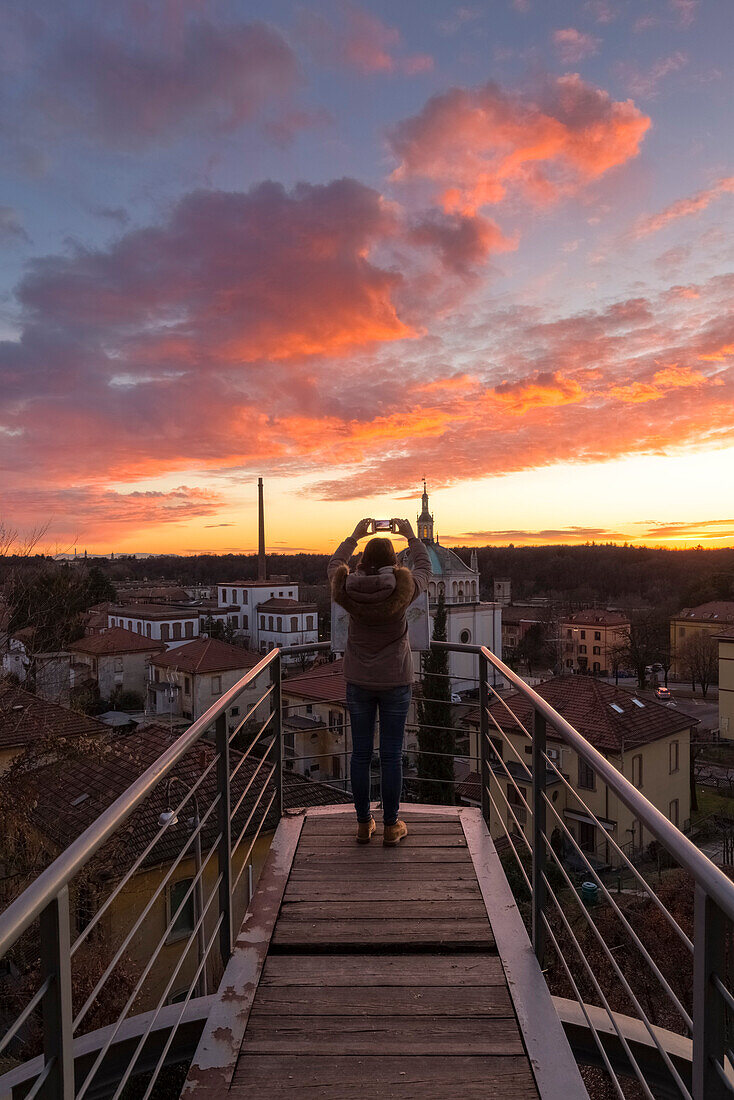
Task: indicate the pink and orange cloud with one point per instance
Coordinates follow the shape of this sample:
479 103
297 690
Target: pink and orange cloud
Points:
477 146
683 208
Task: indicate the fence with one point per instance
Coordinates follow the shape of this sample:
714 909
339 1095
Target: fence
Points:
634 981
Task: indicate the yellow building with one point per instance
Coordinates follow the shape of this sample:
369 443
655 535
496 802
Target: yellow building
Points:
726 684
647 742
709 618
49 807
591 639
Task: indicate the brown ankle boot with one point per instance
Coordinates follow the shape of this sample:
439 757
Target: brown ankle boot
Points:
393 834
365 829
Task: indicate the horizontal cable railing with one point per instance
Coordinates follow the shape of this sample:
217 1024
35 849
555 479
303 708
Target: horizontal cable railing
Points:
137 914
659 956
639 954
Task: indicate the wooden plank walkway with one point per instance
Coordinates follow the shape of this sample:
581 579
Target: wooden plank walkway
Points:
379 975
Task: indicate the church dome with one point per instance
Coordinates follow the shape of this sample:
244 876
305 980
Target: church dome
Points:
443 561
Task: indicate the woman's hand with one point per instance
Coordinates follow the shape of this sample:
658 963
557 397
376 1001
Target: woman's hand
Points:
403 527
362 529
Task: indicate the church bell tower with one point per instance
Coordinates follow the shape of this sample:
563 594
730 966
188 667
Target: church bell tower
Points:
425 519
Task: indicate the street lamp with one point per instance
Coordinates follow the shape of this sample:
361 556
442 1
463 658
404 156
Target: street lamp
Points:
170 817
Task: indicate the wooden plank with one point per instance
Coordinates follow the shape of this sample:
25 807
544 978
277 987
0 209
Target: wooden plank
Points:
288 1077
367 855
398 872
387 1034
215 1060
364 971
409 1000
350 909
334 843
449 935
326 890
334 826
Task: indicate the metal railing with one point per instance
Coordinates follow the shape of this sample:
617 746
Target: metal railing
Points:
656 975
171 889
636 994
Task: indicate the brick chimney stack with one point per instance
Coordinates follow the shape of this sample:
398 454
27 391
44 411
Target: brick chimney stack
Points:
261 573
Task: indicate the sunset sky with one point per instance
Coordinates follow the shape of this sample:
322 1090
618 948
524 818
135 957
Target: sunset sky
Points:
348 246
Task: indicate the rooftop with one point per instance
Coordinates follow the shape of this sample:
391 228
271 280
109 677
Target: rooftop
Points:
323 683
610 718
115 640
282 604
513 614
25 720
596 616
208 655
153 611
716 610
68 795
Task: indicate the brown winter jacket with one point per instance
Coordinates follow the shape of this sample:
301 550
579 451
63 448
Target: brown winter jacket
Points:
378 650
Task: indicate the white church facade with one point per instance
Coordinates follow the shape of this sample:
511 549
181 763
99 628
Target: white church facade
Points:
468 620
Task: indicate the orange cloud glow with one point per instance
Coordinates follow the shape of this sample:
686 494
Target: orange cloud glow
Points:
683 208
478 144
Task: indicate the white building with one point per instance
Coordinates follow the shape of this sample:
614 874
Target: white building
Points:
269 613
162 622
468 620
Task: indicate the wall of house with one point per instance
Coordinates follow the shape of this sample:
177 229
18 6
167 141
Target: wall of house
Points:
660 786
681 630
159 629
128 671
726 687
133 898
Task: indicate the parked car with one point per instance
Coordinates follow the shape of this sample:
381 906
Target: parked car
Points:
663 693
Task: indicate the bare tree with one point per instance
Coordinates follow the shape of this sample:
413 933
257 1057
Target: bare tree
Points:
698 656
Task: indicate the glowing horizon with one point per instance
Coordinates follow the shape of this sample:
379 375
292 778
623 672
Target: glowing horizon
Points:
353 245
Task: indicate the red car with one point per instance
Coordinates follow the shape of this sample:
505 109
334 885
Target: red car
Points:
663 693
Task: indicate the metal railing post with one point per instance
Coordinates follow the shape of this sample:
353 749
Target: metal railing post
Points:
56 1004
484 770
710 931
538 841
276 677
225 840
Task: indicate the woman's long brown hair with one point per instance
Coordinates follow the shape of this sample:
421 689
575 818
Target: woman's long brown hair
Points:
377 554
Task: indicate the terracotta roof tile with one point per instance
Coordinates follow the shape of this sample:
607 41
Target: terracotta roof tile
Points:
324 683
586 703
278 604
115 640
721 611
207 655
25 719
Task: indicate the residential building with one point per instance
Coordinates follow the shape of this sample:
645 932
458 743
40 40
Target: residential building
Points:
189 679
516 622
647 742
162 622
268 612
708 618
46 672
117 660
27 720
591 640
285 622
468 619
57 802
726 684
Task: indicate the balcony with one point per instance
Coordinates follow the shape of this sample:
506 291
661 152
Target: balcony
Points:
210 930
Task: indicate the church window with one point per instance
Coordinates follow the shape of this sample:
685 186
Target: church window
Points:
431 589
465 637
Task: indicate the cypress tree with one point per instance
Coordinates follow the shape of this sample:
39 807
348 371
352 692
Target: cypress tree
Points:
435 726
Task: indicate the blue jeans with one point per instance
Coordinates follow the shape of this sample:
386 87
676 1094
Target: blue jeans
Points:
363 704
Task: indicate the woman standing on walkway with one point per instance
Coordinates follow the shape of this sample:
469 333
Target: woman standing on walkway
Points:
378 664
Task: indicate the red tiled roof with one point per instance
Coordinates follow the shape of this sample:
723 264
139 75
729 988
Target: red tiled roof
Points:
115 640
25 719
721 611
324 683
65 797
585 702
594 616
278 604
207 655
152 611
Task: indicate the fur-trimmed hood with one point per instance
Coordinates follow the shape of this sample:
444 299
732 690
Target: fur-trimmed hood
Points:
373 598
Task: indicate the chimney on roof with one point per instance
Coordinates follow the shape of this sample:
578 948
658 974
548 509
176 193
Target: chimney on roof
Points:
261 572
